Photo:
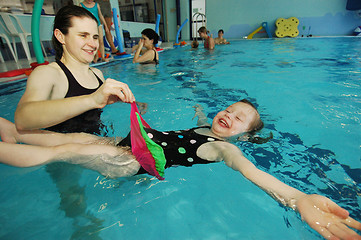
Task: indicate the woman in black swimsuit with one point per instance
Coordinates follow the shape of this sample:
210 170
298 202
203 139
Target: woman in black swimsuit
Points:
64 89
148 41
199 145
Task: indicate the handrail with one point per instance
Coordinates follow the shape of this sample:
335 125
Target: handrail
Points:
204 20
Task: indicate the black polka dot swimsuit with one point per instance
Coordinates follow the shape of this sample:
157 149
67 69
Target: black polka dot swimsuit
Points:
180 147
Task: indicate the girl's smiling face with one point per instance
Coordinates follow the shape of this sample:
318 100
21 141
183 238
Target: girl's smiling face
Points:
237 118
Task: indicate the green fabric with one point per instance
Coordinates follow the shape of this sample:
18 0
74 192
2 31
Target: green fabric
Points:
156 150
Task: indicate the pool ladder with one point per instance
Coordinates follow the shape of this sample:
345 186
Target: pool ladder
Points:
203 22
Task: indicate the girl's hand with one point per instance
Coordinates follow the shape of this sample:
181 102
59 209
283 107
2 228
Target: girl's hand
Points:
327 218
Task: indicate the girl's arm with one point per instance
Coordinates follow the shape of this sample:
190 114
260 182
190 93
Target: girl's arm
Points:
323 215
202 119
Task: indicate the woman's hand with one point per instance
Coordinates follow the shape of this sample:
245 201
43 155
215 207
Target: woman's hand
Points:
140 43
112 91
327 218
138 46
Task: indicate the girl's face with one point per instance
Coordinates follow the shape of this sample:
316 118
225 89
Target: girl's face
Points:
82 40
147 42
236 119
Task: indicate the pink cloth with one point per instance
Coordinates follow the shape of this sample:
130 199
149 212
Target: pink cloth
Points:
139 147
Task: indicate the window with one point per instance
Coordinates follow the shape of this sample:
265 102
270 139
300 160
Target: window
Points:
138 10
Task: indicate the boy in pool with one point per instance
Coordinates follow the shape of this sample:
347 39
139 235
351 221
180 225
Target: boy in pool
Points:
194 146
220 40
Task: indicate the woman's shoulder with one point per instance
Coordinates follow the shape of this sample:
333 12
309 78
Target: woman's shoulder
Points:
45 75
97 72
50 69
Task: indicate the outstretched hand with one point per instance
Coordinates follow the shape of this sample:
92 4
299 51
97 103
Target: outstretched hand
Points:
327 218
112 91
198 111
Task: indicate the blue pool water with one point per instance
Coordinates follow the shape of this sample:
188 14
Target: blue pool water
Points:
308 94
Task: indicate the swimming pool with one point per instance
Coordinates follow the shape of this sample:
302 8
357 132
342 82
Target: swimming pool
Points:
308 94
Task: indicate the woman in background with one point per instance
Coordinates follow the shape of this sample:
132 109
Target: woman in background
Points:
148 41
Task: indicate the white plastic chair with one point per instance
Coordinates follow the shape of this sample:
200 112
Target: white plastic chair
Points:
12 30
2 35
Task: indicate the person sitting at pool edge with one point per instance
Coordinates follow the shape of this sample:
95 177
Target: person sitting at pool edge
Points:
72 98
148 41
208 40
193 146
220 40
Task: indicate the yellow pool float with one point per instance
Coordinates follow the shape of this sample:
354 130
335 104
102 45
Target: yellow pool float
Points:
287 27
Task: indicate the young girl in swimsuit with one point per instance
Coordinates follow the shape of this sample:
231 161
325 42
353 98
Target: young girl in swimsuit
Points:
208 40
198 145
68 87
150 54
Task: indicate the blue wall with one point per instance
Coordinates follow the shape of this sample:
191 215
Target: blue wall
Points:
170 27
238 18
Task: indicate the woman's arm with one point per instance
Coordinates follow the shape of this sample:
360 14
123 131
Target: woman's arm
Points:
211 43
202 119
148 56
323 215
138 50
37 109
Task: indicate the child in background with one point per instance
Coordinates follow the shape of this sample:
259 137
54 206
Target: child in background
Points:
220 39
94 8
106 10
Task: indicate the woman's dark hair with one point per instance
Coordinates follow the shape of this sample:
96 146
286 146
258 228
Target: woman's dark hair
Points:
256 126
63 22
151 34
221 30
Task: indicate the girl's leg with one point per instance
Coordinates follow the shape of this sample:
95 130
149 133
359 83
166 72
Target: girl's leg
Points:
109 160
9 134
109 36
21 155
